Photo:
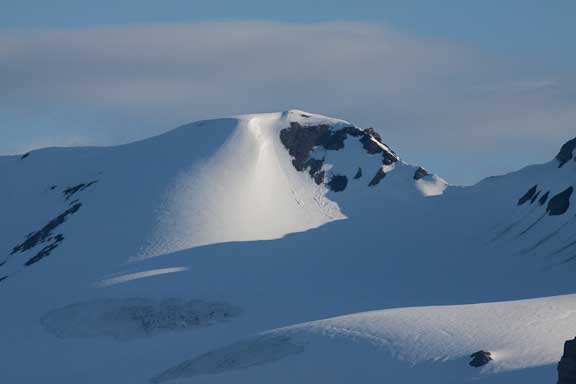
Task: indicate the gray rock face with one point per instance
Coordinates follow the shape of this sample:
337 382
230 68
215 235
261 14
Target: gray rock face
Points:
559 204
480 359
566 152
567 365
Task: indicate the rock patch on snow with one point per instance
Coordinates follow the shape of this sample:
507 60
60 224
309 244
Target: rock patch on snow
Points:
559 204
71 191
528 195
46 235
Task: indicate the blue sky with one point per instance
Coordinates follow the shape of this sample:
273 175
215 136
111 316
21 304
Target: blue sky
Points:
466 88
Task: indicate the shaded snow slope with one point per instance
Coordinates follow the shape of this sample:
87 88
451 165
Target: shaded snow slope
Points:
407 345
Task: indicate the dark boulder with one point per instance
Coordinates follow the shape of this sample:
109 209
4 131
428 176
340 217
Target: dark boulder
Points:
480 359
358 173
559 204
567 365
528 195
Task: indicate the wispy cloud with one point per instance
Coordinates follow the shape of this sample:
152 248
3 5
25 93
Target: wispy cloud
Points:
432 99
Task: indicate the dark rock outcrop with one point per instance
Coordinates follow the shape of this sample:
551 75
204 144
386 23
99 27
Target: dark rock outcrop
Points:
71 191
528 195
544 198
480 359
319 177
566 152
45 232
300 140
377 178
314 165
559 204
420 173
535 197
567 365
337 183
370 145
46 236
46 251
373 144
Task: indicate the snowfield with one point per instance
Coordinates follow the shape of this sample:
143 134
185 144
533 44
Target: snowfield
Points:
280 247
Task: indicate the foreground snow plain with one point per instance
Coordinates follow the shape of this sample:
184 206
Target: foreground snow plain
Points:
197 239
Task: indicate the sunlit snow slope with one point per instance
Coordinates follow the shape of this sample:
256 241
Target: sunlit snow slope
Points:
408 345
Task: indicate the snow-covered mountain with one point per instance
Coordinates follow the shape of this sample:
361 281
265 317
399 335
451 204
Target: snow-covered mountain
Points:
281 247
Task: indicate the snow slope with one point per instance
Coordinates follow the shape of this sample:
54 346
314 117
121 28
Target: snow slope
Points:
141 256
402 345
